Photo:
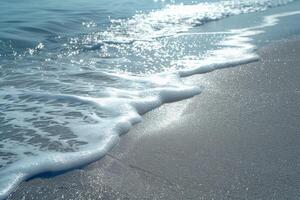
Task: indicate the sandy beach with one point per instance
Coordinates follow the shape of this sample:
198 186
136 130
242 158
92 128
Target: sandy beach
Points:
238 139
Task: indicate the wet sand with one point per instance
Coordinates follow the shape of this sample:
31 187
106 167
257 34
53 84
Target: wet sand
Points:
238 139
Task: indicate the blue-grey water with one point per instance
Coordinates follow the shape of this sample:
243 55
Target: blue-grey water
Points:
74 75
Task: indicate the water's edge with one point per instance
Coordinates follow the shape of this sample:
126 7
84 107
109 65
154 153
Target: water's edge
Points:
242 43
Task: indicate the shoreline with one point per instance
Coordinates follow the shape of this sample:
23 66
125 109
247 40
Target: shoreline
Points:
237 139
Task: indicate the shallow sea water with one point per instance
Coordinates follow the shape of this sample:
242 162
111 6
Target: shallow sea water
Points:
74 76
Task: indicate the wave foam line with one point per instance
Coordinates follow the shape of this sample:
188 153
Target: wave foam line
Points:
132 109
238 49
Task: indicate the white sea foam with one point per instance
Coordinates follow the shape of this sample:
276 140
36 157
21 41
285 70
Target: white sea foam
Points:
88 137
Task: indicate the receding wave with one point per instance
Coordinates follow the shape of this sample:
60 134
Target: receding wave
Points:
66 105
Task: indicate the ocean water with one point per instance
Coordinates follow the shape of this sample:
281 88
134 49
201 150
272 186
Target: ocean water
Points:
75 75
